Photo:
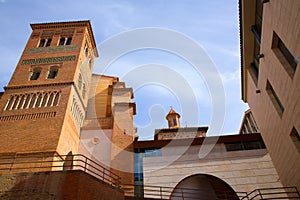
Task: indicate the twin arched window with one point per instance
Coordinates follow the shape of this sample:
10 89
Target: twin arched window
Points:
36 72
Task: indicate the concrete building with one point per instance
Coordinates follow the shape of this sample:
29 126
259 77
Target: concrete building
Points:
270 40
179 158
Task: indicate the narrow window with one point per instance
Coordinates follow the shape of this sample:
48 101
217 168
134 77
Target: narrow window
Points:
45 42
80 81
65 41
275 99
284 55
42 43
62 41
35 74
69 40
295 138
90 64
52 73
174 122
48 42
85 50
83 90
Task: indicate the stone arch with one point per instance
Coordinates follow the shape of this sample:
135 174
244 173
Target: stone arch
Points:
204 187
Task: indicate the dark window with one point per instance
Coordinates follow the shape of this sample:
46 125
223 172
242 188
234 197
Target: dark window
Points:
65 41
241 146
45 42
62 41
80 81
295 138
289 62
52 72
174 122
258 16
42 43
256 29
35 74
48 42
69 40
274 98
85 50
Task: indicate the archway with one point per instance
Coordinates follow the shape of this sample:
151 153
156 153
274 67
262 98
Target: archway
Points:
204 187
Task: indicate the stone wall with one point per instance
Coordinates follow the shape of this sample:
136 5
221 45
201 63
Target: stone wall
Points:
244 171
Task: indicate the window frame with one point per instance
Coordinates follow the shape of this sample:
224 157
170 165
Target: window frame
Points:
35 73
46 42
284 55
65 40
52 72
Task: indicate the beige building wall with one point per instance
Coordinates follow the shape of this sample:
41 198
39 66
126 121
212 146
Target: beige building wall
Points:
274 98
244 171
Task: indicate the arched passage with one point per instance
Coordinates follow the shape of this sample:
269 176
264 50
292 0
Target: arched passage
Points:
203 187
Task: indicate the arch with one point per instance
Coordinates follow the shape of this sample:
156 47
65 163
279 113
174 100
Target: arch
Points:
204 187
35 73
52 73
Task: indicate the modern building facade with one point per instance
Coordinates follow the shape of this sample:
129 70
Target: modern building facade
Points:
178 157
270 40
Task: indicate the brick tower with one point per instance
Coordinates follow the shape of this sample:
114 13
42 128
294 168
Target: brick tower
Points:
43 106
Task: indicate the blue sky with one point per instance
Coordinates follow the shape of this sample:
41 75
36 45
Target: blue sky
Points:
212 24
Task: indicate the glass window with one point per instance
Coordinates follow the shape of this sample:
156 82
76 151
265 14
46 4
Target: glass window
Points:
69 40
290 62
295 138
52 73
174 122
42 43
65 41
274 98
35 74
62 41
45 42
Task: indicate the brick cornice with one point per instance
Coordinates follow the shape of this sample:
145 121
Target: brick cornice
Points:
37 85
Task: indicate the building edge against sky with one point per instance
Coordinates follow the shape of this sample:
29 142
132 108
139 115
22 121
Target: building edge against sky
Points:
270 40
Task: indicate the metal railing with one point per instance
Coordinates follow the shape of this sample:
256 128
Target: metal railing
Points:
15 163
273 193
162 192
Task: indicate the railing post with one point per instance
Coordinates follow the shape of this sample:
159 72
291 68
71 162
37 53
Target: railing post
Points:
182 193
260 194
103 173
160 189
85 163
13 162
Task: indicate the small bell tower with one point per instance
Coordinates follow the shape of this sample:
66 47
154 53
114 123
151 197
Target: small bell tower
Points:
173 119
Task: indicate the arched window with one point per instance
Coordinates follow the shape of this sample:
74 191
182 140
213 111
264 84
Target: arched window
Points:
80 81
35 73
83 91
52 73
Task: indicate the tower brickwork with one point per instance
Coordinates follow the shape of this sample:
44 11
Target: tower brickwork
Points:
43 106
